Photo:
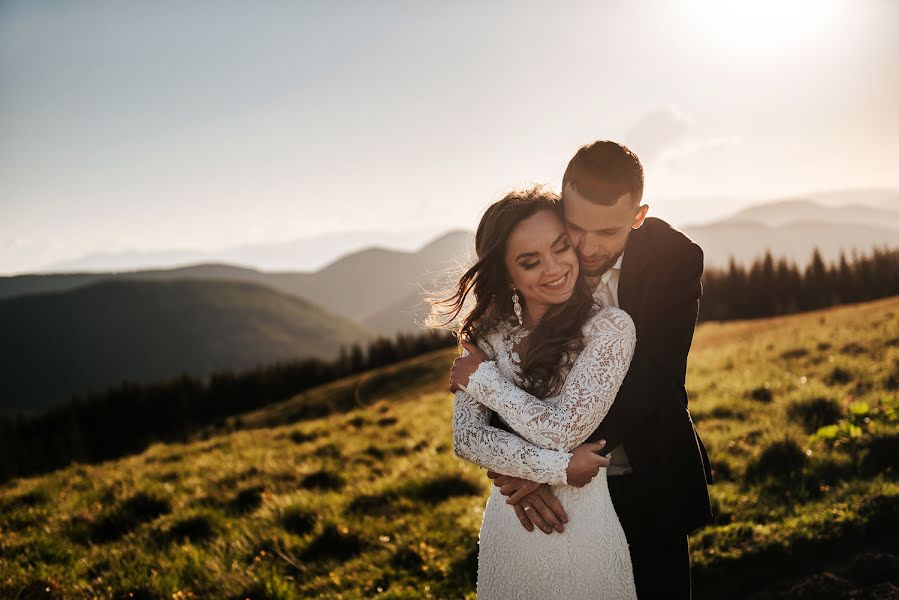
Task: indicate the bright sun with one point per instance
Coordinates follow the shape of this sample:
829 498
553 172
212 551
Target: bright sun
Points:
763 26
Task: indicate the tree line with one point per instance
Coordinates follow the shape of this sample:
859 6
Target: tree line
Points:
127 418
768 288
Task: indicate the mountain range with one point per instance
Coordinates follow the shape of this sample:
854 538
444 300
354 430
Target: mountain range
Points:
794 227
356 286
71 332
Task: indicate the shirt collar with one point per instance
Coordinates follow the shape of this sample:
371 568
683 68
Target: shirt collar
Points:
604 278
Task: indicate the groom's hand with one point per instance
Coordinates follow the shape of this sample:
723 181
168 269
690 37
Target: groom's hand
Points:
534 503
585 463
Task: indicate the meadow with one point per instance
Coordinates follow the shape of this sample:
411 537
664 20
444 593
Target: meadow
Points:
800 415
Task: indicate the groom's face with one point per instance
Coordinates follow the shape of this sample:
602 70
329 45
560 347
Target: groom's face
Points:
599 232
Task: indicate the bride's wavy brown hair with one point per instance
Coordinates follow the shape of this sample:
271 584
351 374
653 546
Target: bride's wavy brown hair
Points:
558 334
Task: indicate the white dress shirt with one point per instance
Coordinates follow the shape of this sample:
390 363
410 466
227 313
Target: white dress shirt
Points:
606 294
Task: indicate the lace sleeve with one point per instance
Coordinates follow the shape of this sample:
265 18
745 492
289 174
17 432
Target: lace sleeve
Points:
565 421
476 441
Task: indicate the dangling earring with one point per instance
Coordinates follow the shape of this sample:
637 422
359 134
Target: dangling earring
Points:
516 306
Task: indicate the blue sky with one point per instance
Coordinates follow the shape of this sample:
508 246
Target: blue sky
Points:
156 125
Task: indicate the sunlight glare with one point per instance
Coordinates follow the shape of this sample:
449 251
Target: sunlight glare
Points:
763 26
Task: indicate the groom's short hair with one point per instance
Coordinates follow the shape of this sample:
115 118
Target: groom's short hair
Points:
604 171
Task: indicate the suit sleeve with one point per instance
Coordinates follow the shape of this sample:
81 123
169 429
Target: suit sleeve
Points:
664 336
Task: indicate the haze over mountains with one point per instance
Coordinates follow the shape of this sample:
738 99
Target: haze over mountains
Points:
303 254
312 253
357 285
793 228
72 332
800 210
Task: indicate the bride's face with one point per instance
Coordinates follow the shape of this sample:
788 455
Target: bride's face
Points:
541 261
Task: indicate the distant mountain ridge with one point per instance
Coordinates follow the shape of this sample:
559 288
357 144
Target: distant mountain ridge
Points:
308 253
794 227
354 286
362 283
745 241
94 336
785 212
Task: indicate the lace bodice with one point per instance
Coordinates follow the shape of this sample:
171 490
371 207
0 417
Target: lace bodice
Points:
551 426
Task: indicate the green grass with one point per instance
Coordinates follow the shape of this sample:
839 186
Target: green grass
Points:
352 490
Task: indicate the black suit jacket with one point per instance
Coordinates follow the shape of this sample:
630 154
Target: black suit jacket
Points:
659 287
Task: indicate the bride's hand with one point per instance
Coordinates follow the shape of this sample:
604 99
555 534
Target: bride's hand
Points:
464 366
585 464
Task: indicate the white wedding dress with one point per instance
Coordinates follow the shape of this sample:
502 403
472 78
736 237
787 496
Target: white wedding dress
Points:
590 559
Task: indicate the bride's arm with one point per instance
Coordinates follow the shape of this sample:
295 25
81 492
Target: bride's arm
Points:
476 441
586 396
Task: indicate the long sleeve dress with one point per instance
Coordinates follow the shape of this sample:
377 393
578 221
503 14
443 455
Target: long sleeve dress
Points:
590 559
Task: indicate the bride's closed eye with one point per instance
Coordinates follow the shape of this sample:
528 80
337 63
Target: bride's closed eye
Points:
565 246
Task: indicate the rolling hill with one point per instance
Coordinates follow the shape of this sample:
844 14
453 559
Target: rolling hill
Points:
364 282
798 414
94 336
354 286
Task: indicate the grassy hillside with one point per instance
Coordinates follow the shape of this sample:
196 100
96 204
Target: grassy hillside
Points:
94 336
372 502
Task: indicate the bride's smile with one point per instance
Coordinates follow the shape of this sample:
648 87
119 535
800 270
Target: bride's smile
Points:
558 284
542 262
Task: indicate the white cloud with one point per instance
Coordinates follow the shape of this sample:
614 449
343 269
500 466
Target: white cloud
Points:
688 152
656 132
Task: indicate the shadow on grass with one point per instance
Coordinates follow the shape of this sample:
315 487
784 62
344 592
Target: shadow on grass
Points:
195 528
760 394
34 589
882 455
335 543
414 494
27 500
799 556
839 376
246 500
118 521
323 480
298 520
301 437
815 413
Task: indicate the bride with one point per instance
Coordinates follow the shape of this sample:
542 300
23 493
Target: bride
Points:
551 365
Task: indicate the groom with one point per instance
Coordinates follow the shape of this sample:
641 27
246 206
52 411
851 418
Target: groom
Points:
659 470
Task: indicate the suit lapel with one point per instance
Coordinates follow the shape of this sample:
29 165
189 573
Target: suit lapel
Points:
636 258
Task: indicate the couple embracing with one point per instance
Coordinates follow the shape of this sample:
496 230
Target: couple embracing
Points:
576 323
